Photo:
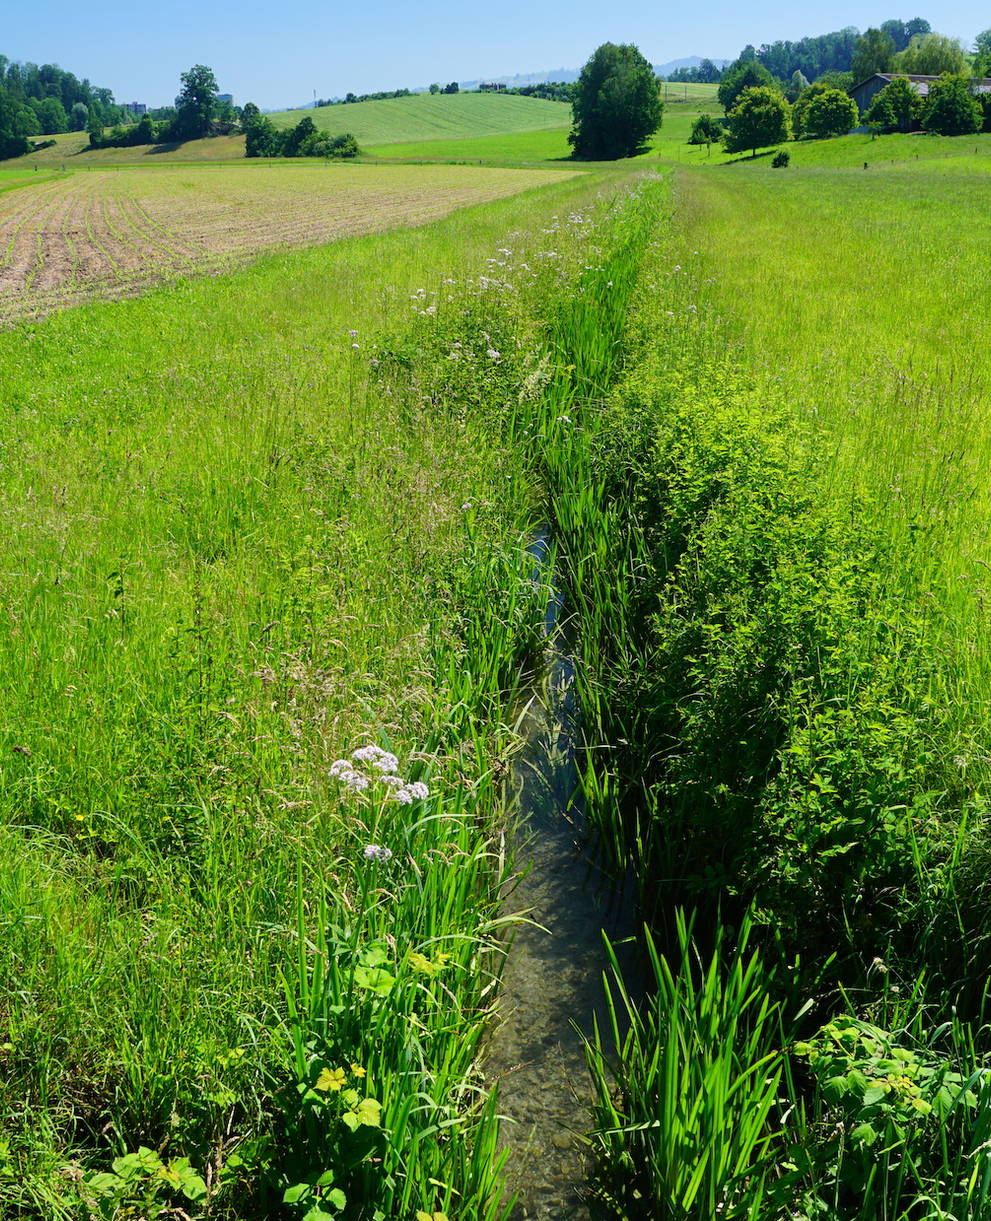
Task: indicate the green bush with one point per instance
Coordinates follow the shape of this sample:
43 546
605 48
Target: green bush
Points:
951 108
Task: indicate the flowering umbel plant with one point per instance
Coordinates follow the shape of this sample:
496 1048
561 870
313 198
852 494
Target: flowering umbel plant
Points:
370 765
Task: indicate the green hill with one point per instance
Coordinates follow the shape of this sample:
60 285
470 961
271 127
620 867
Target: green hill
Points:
426 116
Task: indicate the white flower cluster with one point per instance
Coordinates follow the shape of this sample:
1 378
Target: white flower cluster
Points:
383 767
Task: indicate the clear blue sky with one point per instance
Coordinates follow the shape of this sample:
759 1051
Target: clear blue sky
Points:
277 55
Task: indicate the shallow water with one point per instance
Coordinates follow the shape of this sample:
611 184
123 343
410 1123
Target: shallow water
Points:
552 982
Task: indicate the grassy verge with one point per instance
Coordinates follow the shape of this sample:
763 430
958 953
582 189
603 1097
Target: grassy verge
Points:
260 523
782 668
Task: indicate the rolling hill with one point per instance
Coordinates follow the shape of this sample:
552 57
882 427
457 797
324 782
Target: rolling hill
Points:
426 116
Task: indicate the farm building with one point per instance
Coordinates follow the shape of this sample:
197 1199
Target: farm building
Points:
864 93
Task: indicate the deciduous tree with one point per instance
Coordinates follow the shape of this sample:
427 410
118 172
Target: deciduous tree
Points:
196 103
744 74
873 53
760 117
830 113
951 108
617 104
897 105
931 55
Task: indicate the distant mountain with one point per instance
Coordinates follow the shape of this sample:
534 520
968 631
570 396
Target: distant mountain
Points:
692 61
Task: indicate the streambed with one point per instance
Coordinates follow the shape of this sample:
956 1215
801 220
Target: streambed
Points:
552 983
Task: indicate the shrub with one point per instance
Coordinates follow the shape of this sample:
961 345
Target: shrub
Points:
761 117
830 113
706 129
781 159
952 109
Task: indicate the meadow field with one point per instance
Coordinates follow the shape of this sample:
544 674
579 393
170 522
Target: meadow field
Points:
106 234
392 120
425 116
269 616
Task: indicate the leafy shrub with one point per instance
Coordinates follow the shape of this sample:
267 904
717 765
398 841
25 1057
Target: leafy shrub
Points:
706 129
951 108
781 160
830 113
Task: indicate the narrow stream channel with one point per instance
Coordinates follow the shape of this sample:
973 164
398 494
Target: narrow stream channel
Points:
552 984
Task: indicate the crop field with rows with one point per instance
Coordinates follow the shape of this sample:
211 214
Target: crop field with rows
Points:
111 234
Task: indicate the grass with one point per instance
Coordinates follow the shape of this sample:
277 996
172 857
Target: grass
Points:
426 116
773 530
260 520
514 147
896 150
72 151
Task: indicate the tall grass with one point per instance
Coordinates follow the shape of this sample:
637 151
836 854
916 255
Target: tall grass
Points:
252 524
766 555
687 1084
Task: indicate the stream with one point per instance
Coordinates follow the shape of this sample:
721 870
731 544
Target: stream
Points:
552 982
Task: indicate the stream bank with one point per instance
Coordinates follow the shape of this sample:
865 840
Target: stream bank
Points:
551 992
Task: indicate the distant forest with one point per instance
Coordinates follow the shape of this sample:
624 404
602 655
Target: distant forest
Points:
812 57
43 100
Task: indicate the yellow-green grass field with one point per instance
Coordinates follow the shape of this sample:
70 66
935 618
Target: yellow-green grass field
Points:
861 297
253 523
670 143
113 233
72 151
389 121
426 116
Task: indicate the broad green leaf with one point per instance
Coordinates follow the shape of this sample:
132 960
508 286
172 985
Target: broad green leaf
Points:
374 979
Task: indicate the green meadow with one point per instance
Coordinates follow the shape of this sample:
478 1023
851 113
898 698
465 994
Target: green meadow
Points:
428 116
268 621
551 145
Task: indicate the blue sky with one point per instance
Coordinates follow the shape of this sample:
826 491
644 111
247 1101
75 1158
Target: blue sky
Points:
277 56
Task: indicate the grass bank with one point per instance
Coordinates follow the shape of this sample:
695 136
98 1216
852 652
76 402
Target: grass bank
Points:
264 552
771 529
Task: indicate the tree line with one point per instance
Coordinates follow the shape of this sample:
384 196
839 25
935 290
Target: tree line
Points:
893 46
45 100
759 112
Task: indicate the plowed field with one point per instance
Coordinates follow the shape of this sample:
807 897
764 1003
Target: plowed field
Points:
115 233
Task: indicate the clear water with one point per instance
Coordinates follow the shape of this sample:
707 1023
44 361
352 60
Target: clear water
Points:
552 984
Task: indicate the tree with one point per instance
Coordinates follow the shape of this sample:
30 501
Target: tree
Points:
196 103
706 130
982 53
836 80
897 105
759 118
931 55
78 117
260 136
744 74
805 100
451 88
901 33
617 104
873 53
708 73
796 86
94 128
951 108
297 137
52 117
830 113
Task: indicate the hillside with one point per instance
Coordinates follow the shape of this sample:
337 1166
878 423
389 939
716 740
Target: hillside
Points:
426 116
